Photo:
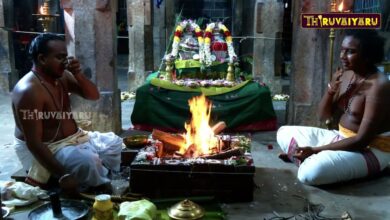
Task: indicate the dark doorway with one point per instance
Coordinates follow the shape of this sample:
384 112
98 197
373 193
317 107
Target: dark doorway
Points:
208 10
122 32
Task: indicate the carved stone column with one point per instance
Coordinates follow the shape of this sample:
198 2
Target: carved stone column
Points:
6 49
139 20
90 32
159 38
267 52
309 73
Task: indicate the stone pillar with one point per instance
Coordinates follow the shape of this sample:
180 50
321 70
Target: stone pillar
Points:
90 32
6 53
267 52
237 21
159 38
385 11
244 46
310 72
139 19
170 20
237 18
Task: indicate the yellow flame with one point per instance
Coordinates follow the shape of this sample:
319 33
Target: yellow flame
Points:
199 133
341 6
41 11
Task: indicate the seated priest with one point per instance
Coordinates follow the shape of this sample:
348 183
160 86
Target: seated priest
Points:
48 141
359 94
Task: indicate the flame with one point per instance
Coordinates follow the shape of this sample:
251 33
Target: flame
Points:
200 135
44 9
341 6
41 11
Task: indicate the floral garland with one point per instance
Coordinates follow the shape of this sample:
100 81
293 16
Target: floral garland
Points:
207 41
179 31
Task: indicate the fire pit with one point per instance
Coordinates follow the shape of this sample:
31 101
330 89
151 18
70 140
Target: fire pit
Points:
200 162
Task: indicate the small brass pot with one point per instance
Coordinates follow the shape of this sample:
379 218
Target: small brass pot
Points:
135 141
186 209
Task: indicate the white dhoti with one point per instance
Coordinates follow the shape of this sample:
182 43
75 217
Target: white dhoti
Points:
24 155
88 156
330 166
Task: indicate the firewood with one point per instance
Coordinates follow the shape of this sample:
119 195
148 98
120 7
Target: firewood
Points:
160 149
219 146
190 151
170 148
217 128
226 154
226 144
171 142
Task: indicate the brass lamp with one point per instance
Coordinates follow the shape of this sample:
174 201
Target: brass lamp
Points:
45 17
331 40
230 72
168 69
186 209
333 9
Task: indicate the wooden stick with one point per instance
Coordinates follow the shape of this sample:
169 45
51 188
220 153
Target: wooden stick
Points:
226 154
217 128
171 142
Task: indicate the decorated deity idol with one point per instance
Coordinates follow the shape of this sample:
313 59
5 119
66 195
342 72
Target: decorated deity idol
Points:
188 46
218 46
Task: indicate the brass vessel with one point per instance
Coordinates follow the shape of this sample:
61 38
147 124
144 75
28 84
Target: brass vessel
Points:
186 209
169 70
135 141
230 73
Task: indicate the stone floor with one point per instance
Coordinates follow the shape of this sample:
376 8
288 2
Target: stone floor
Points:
278 191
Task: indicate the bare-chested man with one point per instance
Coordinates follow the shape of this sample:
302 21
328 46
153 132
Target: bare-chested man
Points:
47 138
361 146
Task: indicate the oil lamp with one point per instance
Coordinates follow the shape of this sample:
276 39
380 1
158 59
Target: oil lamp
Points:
230 73
44 15
331 40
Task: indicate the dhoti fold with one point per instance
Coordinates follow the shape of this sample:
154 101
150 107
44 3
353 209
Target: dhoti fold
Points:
88 156
330 166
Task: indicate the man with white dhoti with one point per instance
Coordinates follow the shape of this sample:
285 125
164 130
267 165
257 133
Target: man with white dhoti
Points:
359 93
47 138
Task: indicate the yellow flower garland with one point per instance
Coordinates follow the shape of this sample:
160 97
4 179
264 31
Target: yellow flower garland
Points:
207 41
179 32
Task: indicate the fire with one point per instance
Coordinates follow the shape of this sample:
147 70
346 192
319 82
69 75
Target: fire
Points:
200 135
341 6
41 11
44 9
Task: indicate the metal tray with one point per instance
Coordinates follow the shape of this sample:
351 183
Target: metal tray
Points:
71 209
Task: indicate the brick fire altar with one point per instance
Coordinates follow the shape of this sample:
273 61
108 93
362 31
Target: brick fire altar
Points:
200 162
228 180
179 178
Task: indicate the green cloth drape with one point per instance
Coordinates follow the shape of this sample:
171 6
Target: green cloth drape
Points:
247 106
